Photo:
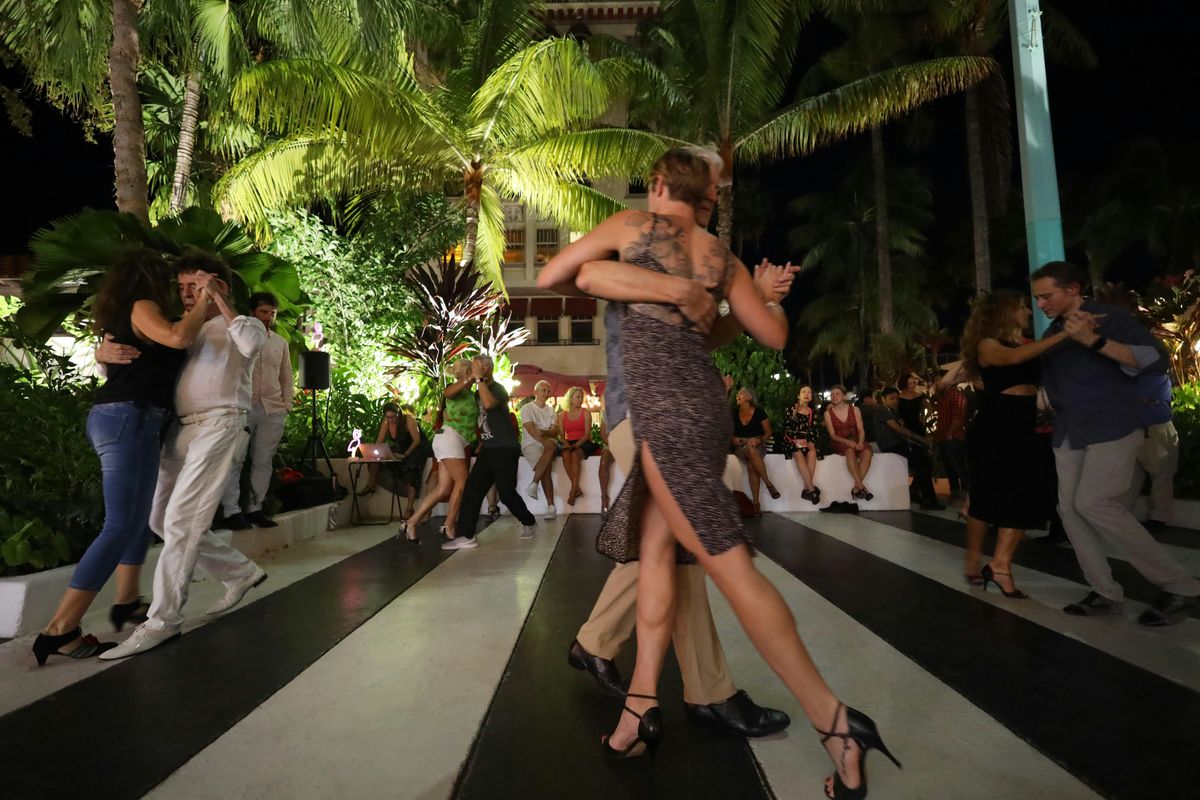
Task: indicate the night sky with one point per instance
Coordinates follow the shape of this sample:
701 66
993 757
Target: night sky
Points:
1145 85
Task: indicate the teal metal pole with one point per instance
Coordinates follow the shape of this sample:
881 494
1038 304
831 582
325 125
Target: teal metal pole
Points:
1039 179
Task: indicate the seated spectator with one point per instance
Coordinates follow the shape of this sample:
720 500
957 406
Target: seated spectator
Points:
575 428
800 441
893 437
403 435
539 443
751 430
949 435
868 404
848 438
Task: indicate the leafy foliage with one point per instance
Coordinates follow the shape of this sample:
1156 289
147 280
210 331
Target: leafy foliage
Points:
50 496
761 369
72 256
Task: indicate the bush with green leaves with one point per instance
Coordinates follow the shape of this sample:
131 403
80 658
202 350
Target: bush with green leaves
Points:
1186 410
51 505
761 369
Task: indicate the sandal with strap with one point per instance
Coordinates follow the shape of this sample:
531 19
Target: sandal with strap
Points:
987 575
135 612
46 645
862 731
771 490
650 732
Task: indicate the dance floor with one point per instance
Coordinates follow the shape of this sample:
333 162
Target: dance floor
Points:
366 668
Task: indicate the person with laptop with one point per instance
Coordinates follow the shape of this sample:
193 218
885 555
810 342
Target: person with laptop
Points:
400 470
212 401
270 401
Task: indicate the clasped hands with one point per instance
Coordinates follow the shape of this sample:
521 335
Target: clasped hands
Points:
773 282
1081 326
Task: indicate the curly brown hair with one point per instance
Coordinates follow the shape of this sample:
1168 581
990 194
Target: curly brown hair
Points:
142 274
994 316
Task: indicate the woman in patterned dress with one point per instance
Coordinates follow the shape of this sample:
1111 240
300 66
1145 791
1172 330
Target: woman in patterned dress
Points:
674 496
800 441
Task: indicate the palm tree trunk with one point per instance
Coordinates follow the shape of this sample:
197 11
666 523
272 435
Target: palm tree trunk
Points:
883 236
187 141
129 135
979 210
473 194
725 213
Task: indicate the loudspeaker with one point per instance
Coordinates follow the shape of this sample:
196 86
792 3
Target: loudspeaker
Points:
314 370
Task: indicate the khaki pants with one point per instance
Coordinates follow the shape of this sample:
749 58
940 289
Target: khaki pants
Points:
1158 457
697 649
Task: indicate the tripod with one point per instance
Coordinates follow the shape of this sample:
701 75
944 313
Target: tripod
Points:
315 444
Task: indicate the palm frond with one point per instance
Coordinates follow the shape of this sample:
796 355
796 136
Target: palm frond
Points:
568 203
859 106
596 153
490 241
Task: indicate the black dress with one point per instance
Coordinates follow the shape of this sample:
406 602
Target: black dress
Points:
1011 469
684 418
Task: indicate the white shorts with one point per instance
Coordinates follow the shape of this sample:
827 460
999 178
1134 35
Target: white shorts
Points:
449 444
532 449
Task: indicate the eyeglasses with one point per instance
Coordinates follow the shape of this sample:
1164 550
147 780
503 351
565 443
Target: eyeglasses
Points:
390 416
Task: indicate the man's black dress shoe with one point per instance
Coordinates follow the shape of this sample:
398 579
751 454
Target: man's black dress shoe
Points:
602 669
1168 609
739 714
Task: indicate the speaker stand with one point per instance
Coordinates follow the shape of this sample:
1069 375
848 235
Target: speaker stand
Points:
314 446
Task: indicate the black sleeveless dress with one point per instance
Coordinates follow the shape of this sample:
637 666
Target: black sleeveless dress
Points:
1011 467
677 406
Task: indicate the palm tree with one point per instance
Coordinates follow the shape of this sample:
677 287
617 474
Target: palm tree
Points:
509 118
978 28
835 231
731 61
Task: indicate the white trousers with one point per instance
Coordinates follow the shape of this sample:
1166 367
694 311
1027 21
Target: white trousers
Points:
1091 486
191 477
1158 458
265 432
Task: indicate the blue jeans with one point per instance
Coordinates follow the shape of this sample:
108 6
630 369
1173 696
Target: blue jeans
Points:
127 439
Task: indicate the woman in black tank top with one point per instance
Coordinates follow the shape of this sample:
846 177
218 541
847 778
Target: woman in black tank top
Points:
124 426
1012 481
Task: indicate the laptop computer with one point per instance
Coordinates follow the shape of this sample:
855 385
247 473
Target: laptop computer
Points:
375 452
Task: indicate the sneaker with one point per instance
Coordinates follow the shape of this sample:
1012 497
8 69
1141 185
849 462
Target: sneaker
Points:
236 590
142 639
532 490
1168 609
460 543
261 520
551 513
528 531
1093 605
234 522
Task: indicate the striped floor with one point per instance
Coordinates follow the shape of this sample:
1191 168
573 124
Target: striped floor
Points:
366 669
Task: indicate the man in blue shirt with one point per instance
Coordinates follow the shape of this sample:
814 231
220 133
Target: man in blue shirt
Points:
1098 430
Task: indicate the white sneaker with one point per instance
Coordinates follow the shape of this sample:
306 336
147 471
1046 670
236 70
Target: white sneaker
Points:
142 639
235 591
551 513
528 531
460 543
532 490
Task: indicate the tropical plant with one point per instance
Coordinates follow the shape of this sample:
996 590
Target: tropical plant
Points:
1170 307
836 232
509 118
1185 408
761 369
72 256
729 65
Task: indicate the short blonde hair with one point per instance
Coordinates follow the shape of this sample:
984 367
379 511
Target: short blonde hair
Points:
459 369
542 383
570 392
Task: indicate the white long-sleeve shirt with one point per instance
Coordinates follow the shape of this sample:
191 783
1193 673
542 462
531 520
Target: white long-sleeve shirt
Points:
273 377
220 361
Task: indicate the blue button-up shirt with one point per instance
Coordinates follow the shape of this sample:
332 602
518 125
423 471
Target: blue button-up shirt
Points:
1156 394
1095 398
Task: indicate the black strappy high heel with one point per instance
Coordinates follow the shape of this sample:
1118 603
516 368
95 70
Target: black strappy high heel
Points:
46 645
861 729
988 576
121 613
650 732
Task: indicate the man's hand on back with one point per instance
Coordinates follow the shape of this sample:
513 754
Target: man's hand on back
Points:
111 351
698 305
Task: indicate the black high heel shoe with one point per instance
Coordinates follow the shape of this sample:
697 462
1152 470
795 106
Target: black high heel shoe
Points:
121 613
988 576
650 732
861 729
45 646
771 490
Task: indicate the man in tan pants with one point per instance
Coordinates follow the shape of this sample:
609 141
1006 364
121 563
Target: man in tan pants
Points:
708 690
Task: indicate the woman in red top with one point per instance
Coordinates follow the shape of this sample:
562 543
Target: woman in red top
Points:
575 425
848 438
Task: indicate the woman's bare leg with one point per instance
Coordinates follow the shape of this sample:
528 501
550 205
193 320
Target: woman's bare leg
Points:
976 530
765 618
755 457
1007 541
804 468
655 619
864 463
603 472
457 467
431 499
72 607
852 467
571 462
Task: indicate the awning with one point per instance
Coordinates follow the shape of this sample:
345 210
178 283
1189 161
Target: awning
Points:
545 307
519 307
529 375
580 307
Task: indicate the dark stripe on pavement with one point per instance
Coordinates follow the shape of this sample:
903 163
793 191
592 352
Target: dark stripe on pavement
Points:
1124 731
1032 554
121 732
541 735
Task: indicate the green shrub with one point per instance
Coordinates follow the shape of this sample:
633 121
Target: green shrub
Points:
1186 409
